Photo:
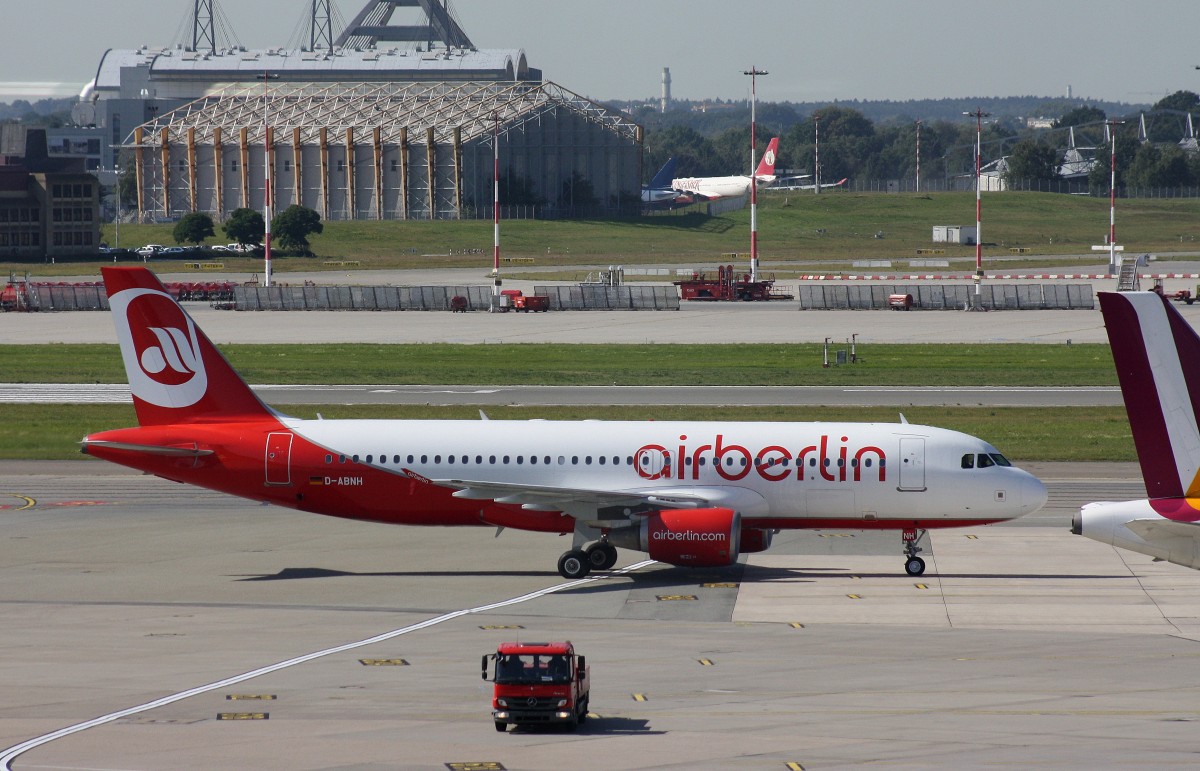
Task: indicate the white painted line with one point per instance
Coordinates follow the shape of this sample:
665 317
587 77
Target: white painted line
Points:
12 753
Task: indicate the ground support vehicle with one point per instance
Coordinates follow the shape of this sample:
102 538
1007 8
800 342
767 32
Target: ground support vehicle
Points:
538 683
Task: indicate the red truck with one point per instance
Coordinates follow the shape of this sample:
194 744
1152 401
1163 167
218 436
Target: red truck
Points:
538 683
519 301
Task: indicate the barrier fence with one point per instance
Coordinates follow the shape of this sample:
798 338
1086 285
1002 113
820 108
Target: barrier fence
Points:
610 298
359 298
948 296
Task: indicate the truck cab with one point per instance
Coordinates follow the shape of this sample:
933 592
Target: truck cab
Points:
537 683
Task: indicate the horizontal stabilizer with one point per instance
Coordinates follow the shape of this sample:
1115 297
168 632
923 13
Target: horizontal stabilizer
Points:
148 449
1161 529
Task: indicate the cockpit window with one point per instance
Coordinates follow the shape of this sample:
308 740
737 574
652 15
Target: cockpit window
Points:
999 459
984 460
968 460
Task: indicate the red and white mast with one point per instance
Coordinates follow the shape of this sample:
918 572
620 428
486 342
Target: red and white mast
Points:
753 72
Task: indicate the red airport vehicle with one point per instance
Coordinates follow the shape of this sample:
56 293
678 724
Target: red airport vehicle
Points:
519 301
728 285
538 683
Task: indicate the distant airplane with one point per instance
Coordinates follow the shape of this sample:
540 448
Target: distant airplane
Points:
659 194
1157 356
710 188
686 492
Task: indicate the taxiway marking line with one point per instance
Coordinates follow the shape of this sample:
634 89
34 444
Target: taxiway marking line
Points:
12 753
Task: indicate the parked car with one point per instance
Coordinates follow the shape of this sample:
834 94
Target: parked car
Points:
149 250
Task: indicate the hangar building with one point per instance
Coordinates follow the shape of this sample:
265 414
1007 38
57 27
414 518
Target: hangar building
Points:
363 126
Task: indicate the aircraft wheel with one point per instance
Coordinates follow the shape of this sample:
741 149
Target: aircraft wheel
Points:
574 564
602 556
915 566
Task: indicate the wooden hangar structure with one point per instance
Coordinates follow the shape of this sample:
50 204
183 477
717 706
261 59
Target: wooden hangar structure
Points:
375 151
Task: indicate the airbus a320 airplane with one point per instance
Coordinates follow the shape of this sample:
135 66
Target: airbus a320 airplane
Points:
1157 356
688 493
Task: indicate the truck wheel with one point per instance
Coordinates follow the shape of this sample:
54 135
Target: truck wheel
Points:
583 712
501 726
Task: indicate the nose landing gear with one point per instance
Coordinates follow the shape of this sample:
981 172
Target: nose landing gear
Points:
913 565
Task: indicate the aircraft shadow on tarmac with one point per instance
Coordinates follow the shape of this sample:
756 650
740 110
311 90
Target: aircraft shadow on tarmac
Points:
666 576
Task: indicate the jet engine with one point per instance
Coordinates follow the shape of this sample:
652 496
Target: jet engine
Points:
693 537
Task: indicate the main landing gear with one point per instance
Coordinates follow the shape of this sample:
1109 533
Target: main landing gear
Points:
913 565
577 563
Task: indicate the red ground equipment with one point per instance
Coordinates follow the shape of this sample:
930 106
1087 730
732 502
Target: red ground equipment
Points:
519 301
538 683
728 285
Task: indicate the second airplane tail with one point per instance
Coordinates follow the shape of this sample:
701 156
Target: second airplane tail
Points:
1157 357
175 372
766 167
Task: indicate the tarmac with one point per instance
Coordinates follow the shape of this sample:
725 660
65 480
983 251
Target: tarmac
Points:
131 606
146 625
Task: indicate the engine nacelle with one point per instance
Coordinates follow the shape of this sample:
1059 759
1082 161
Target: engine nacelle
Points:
755 539
695 537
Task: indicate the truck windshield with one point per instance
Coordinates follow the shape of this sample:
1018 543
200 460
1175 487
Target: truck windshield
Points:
530 669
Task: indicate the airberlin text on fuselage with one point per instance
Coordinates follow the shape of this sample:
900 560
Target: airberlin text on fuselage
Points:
774 463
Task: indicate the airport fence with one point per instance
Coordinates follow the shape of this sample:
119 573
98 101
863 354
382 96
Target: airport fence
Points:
948 296
64 297
361 298
610 298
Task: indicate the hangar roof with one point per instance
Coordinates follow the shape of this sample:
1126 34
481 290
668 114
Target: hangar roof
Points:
475 108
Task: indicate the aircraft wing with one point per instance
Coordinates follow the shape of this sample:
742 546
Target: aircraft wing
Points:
584 504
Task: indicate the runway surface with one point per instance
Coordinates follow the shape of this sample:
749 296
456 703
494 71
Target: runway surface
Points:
133 605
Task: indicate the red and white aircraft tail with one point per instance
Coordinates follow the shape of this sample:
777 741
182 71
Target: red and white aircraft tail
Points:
175 372
1157 356
686 492
765 173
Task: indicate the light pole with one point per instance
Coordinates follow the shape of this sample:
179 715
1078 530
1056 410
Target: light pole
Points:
918 188
976 301
495 213
1111 247
753 72
816 154
266 79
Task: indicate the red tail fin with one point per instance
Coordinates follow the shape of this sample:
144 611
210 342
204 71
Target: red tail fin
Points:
175 372
766 167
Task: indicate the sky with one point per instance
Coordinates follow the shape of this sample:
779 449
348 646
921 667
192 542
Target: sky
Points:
616 49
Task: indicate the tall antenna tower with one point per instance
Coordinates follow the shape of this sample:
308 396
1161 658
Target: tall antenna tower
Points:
320 28
204 33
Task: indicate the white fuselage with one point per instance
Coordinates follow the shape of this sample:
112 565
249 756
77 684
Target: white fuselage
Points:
717 187
836 471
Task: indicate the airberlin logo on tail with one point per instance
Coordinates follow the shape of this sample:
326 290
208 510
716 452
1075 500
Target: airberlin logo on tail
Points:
160 347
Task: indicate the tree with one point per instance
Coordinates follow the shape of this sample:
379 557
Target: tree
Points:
1031 161
245 226
193 228
294 225
1079 116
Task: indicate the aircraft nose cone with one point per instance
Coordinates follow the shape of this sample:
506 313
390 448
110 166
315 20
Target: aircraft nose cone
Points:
1034 495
